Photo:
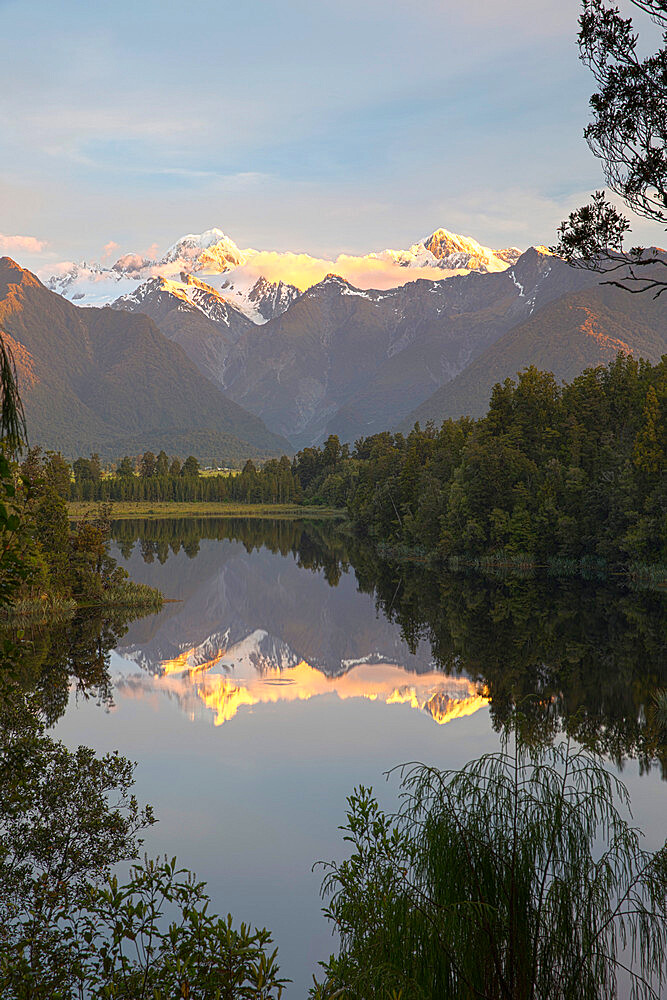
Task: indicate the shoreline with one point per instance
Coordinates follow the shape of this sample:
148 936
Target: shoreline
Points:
126 509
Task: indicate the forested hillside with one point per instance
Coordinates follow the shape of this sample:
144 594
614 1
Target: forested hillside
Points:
575 472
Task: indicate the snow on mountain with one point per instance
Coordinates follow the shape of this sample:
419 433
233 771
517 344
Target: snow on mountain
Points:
211 255
189 290
92 284
210 250
453 253
258 298
194 315
510 255
261 294
228 650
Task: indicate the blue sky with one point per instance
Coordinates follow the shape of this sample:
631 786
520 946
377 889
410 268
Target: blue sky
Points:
294 125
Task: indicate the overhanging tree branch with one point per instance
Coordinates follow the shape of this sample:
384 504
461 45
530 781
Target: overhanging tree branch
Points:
628 134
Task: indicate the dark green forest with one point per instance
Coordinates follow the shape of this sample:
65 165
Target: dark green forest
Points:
570 475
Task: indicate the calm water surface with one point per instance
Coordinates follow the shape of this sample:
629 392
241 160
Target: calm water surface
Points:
292 666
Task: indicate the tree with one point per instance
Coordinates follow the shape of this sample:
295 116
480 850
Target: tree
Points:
82 471
162 464
332 451
135 950
87 470
516 878
49 516
147 465
175 467
628 133
32 466
68 928
125 467
95 468
190 467
648 454
58 474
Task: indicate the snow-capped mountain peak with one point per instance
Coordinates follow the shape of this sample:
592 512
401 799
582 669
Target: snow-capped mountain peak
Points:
272 298
263 284
189 290
442 242
209 250
462 252
451 253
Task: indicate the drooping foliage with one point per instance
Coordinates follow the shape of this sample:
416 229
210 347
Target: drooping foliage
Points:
518 877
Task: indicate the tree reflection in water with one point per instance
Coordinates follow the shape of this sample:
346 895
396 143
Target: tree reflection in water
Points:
589 657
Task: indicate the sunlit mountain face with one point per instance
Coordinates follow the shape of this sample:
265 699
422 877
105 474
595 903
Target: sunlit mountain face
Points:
262 283
213 693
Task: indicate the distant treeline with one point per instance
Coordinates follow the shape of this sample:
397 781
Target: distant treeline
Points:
573 472
163 478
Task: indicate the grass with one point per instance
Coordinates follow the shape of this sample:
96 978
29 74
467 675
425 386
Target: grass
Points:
42 610
137 597
196 508
46 609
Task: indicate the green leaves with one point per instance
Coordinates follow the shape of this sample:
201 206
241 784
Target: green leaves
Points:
138 952
517 877
628 134
69 928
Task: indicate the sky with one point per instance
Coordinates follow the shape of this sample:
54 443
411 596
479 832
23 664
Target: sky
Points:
326 128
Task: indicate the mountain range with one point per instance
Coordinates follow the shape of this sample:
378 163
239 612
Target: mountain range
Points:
277 364
96 379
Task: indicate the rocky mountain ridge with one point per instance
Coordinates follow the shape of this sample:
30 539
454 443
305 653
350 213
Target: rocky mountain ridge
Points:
213 253
352 361
100 380
339 358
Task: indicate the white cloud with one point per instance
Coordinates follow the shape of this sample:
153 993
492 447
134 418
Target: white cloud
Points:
21 244
109 249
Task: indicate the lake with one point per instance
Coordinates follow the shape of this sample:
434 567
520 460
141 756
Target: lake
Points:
292 663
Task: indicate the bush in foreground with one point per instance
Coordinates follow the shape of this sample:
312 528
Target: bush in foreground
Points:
516 878
69 928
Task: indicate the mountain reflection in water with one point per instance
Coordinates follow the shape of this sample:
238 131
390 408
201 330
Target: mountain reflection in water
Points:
586 657
443 698
255 630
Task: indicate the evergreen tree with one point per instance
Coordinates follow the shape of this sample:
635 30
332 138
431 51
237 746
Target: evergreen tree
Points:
162 464
126 467
148 465
190 467
58 474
